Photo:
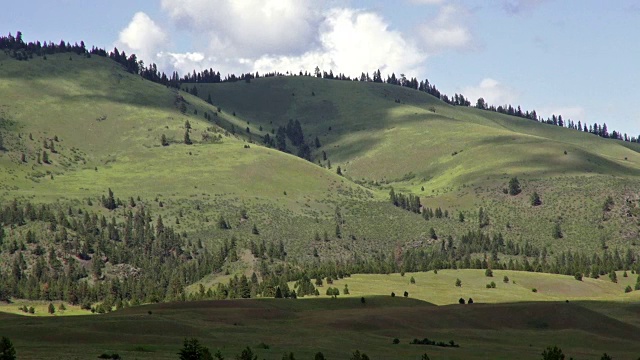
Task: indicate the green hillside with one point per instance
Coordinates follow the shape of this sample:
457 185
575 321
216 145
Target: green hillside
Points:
456 158
101 128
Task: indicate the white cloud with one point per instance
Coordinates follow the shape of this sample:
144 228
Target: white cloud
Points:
242 28
446 31
519 6
143 37
493 92
351 42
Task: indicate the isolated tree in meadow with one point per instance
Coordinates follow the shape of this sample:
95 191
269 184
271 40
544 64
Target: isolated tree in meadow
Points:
51 309
505 279
7 351
488 273
1 143
45 157
187 138
193 350
412 280
339 171
222 223
163 140
613 276
359 356
458 283
552 353
514 186
608 204
535 199
557 231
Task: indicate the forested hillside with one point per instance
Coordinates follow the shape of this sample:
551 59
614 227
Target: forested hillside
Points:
122 185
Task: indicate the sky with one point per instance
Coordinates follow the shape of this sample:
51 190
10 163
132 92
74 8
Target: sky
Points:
575 58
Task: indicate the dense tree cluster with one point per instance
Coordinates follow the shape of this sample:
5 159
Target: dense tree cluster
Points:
54 252
408 202
293 132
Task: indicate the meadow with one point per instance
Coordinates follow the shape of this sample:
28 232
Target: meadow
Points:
502 323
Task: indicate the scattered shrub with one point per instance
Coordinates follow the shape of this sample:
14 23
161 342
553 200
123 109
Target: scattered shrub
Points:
488 273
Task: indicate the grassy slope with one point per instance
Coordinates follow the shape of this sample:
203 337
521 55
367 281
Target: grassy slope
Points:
440 288
374 138
410 144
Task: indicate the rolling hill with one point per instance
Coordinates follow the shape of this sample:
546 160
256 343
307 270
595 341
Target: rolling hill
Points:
102 128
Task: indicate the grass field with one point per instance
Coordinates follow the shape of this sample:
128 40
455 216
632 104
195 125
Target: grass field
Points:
336 327
440 288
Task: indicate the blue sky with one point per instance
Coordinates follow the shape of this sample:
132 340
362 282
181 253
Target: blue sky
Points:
575 58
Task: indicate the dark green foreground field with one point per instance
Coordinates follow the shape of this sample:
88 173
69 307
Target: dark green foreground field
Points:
336 327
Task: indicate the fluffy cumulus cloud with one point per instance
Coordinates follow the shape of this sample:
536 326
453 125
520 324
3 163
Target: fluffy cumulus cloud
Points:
289 35
351 42
248 28
493 92
446 31
142 36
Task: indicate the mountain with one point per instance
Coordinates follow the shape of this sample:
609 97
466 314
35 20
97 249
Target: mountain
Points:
117 160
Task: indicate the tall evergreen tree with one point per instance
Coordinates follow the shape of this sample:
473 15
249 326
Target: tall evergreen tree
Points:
514 186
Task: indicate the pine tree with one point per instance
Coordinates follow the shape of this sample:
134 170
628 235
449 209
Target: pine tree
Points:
1 143
535 199
187 138
222 223
7 351
51 309
339 171
557 231
163 140
193 350
514 186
